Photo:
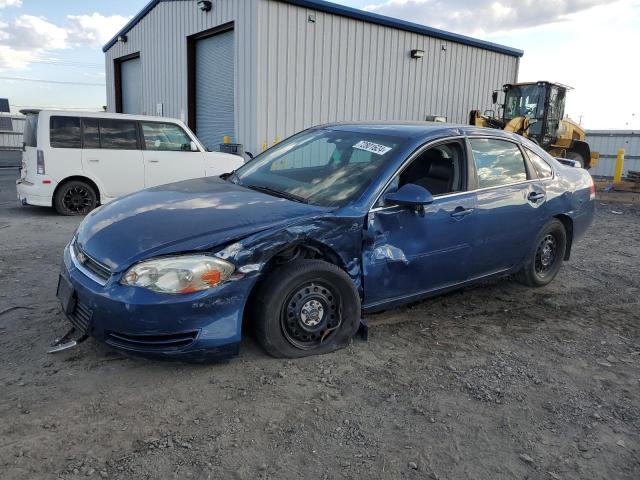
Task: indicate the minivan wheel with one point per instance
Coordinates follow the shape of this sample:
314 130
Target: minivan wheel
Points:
75 198
545 261
306 307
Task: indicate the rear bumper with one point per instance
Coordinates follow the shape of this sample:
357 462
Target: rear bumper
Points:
34 194
201 326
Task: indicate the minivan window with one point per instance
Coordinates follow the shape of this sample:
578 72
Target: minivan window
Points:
165 137
118 134
90 133
30 134
498 162
64 132
542 168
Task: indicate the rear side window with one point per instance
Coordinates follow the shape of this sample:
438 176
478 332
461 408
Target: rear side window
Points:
64 132
90 133
118 134
30 135
542 168
498 162
165 137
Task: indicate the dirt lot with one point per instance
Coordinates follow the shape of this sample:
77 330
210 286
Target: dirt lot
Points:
494 382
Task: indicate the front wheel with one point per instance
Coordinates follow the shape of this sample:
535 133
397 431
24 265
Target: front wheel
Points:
306 307
543 264
75 198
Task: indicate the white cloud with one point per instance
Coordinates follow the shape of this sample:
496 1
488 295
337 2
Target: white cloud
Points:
28 38
479 18
95 29
10 3
592 52
16 59
29 32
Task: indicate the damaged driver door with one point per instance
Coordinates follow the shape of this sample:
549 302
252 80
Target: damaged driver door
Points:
409 252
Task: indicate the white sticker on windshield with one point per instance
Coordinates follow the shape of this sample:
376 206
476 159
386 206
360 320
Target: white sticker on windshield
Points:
372 147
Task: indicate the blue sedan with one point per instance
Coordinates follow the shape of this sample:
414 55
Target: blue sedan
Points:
335 221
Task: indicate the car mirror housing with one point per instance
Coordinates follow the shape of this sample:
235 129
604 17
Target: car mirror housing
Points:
410 195
193 146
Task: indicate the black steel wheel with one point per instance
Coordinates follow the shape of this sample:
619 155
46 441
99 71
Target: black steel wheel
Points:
305 307
310 315
546 255
544 263
75 198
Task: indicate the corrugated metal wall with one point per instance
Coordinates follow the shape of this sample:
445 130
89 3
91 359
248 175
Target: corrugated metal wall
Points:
161 39
11 143
292 73
345 69
607 143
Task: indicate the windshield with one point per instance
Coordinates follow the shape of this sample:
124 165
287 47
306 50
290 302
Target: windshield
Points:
321 166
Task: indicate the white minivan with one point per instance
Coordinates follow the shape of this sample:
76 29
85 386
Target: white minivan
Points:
74 161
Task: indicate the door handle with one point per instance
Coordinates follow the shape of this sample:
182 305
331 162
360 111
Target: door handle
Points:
94 160
154 161
535 196
461 212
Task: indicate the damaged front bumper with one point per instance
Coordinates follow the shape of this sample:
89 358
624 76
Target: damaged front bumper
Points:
198 326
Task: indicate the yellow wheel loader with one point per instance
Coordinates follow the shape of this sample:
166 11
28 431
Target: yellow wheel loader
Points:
536 110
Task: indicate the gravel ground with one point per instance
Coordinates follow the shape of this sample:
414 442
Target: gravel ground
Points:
493 382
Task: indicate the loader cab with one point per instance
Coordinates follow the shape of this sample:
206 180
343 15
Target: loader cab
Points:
540 102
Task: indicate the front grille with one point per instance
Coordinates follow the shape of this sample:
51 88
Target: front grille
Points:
81 317
85 262
158 343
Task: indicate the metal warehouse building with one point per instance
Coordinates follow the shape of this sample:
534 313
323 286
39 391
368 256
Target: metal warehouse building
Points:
607 143
260 70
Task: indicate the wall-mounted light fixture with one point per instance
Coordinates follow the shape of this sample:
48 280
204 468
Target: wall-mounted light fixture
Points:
312 18
417 53
204 5
122 38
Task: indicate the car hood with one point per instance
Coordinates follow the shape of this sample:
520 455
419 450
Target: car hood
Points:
185 216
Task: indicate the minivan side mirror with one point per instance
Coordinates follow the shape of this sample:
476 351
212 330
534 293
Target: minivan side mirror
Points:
409 195
193 146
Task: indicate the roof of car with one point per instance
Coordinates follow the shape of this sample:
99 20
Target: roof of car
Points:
98 114
416 129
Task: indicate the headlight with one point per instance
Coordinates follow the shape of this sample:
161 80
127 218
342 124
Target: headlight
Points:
185 274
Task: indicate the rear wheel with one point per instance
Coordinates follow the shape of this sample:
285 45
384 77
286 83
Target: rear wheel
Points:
306 307
543 264
75 198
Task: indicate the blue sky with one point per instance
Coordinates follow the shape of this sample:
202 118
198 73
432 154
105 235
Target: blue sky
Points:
583 43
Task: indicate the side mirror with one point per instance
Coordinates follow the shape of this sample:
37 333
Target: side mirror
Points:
494 97
193 146
410 195
249 154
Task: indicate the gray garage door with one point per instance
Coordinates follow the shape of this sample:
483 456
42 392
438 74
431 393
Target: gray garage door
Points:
214 89
131 84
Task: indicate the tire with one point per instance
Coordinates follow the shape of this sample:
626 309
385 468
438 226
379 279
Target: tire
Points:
575 156
75 198
544 262
306 307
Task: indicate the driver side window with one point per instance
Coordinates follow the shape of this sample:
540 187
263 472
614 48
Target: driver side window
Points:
165 137
439 169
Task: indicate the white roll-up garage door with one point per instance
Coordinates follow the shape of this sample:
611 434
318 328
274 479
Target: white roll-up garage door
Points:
131 84
214 75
